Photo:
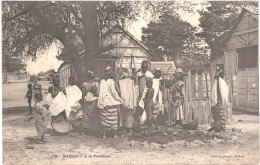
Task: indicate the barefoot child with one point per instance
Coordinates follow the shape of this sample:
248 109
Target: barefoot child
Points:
148 103
40 116
29 97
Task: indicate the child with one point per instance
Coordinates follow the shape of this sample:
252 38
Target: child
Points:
148 103
40 118
29 96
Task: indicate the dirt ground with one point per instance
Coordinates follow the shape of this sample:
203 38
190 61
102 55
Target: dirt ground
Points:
168 146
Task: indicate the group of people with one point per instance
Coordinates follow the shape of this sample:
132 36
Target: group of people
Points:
112 104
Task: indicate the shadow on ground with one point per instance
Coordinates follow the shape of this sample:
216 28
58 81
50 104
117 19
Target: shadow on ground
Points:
10 110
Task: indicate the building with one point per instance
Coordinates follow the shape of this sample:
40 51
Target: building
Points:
241 67
127 52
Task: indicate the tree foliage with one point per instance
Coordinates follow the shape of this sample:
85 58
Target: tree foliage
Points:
219 22
32 26
166 36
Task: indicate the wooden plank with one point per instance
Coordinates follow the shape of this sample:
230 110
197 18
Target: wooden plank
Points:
242 97
247 85
252 69
252 85
229 113
200 112
194 111
253 73
236 45
252 97
253 79
253 91
205 111
241 102
196 85
236 88
208 84
190 95
186 98
241 91
208 111
200 90
192 86
251 19
241 73
253 24
204 85
242 79
184 94
253 104
241 85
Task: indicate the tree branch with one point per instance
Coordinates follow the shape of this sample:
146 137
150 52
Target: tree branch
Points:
79 31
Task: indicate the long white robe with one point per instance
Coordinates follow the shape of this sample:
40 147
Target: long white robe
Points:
223 87
74 95
108 95
58 104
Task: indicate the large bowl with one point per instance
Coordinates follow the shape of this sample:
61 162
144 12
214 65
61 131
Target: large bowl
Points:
61 126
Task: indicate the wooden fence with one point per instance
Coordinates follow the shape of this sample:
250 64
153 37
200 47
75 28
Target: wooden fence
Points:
197 90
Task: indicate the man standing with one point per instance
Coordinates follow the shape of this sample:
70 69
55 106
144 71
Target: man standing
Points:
219 100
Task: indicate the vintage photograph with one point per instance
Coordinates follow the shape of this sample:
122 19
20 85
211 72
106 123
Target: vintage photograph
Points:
130 82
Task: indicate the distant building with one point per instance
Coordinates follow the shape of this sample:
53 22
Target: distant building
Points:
65 71
166 67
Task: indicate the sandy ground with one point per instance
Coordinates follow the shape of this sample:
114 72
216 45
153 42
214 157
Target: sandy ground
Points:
74 148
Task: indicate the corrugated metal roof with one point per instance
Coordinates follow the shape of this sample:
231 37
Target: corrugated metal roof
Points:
165 66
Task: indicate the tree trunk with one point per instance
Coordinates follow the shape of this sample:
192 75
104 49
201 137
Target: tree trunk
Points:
90 25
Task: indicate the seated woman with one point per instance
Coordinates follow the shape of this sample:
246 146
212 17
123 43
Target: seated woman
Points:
57 101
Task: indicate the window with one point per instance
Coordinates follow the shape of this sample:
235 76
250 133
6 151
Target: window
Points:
247 57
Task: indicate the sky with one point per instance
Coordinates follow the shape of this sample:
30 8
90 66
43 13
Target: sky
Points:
47 60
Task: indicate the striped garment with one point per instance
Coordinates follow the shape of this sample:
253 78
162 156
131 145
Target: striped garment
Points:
109 117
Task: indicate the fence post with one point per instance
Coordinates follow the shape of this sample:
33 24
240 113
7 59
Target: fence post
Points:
234 86
204 86
208 77
196 85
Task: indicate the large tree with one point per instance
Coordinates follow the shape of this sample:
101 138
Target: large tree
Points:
219 21
77 26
